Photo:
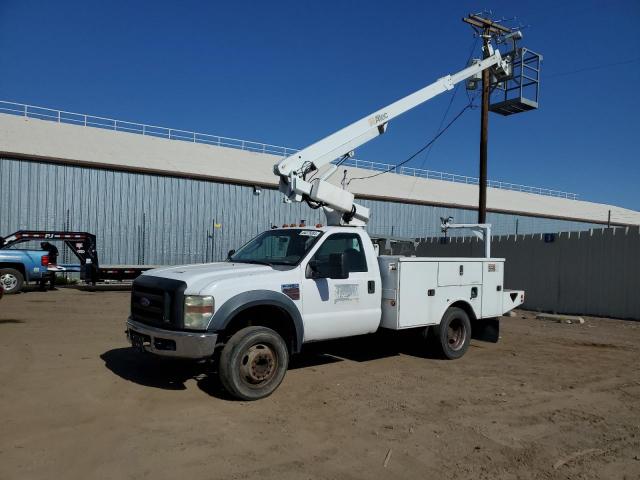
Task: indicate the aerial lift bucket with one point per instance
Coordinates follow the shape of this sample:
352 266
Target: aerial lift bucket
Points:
520 91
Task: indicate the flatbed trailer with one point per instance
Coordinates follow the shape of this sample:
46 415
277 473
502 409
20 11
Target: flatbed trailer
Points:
83 246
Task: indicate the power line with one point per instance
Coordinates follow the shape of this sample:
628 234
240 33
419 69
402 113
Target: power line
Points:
595 67
422 149
440 130
455 92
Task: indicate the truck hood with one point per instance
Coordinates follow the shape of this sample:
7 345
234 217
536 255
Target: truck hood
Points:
201 275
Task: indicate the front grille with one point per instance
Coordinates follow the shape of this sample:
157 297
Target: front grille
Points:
150 304
158 301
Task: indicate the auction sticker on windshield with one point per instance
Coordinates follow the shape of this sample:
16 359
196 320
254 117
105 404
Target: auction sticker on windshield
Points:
309 233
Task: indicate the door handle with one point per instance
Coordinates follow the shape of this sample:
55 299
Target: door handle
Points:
371 286
474 292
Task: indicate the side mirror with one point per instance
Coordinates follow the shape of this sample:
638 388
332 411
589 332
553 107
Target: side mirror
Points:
336 267
231 252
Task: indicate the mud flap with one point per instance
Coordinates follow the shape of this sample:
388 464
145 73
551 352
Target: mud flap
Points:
486 330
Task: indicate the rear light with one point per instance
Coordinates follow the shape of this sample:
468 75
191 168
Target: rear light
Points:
44 260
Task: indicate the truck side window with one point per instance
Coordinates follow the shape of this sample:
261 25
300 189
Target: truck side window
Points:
349 243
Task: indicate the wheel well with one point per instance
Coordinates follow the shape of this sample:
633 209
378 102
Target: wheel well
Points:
269 316
466 307
16 266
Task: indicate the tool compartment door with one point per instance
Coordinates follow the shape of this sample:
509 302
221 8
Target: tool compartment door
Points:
452 273
492 285
415 304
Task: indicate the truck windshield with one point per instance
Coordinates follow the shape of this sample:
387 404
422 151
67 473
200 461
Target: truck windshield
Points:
277 247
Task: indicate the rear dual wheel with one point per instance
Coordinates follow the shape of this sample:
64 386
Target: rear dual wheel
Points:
253 363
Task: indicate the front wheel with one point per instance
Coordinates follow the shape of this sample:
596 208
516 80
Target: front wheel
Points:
11 280
454 333
253 363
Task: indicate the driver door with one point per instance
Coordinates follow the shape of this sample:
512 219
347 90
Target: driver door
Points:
334 308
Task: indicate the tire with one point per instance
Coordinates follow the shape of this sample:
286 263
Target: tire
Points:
253 363
11 280
453 335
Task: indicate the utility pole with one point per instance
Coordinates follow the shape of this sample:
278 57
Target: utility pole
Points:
484 138
485 28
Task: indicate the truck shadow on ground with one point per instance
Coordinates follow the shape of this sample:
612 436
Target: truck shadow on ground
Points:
172 374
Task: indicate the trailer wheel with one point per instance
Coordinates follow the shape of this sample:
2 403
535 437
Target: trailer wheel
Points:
11 280
454 333
253 363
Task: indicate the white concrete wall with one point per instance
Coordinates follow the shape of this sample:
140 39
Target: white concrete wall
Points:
66 143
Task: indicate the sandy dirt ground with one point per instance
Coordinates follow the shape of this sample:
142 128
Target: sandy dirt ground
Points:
548 401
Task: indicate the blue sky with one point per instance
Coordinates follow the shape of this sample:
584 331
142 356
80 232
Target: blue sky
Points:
291 72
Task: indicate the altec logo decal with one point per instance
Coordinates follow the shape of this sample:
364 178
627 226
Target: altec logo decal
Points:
292 290
376 119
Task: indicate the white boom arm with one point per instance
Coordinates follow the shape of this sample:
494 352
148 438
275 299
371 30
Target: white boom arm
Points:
338 203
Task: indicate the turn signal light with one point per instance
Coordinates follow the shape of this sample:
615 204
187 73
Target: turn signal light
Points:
44 260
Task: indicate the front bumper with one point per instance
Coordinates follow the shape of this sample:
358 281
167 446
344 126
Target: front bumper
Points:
169 343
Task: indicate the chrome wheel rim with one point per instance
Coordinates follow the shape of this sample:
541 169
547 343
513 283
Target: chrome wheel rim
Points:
8 281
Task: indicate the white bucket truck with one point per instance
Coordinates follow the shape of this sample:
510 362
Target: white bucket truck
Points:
294 285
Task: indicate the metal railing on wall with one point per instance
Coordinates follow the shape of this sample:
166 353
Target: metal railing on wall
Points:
61 116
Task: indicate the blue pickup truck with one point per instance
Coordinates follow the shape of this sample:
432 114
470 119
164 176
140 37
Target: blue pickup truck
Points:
18 266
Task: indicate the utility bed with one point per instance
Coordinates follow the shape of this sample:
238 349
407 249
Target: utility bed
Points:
416 291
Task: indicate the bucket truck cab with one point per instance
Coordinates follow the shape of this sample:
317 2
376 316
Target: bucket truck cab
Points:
291 286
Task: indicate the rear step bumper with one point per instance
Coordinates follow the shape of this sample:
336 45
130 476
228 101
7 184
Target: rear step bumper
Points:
511 299
168 343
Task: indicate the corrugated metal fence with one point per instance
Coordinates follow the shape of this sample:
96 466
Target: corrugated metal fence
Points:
161 220
595 272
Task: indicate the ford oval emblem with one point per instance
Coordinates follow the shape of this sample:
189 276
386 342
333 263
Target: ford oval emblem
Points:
145 302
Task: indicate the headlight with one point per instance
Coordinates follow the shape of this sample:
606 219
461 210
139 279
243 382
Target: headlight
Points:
197 311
